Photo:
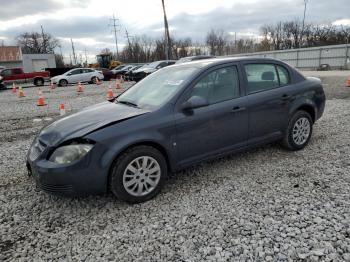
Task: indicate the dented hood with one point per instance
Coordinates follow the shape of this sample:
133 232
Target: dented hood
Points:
87 121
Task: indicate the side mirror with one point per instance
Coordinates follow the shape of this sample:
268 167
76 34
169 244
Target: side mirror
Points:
194 102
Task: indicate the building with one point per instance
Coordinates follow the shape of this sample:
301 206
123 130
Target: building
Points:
11 56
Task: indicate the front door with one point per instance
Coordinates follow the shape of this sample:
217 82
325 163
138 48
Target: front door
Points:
218 127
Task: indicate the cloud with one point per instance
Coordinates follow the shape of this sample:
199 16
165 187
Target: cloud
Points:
91 30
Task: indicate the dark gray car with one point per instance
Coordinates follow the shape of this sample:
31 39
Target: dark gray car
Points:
174 118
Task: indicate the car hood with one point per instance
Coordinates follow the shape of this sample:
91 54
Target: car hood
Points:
86 121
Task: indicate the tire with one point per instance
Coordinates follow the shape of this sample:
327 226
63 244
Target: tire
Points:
298 132
94 79
39 82
126 178
63 82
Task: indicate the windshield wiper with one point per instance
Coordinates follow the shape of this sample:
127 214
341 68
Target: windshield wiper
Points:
129 103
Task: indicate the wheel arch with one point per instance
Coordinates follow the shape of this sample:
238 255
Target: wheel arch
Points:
36 78
307 106
153 144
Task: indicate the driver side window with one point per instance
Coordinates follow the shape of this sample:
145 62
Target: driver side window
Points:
75 72
220 85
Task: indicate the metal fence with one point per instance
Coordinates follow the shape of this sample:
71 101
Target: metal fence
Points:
335 56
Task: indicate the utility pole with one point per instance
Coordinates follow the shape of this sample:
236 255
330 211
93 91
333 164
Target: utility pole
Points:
303 26
44 41
115 30
127 36
85 57
167 35
74 56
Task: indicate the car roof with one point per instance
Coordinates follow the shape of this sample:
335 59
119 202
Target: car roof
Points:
221 60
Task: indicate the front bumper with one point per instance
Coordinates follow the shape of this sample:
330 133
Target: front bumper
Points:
81 178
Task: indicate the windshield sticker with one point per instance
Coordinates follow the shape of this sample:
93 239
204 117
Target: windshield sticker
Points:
173 82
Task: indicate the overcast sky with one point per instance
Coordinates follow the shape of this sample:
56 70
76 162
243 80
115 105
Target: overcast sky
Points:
87 21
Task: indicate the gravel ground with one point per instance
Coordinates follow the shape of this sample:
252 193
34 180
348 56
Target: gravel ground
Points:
263 205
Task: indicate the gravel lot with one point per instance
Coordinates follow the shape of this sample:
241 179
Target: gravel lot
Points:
263 205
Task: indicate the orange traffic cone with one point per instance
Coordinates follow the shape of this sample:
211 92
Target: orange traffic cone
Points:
52 85
349 82
117 86
40 93
62 109
121 79
110 94
98 81
80 88
41 99
14 88
21 92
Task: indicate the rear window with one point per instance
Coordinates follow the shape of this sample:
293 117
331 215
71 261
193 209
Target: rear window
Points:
283 75
261 77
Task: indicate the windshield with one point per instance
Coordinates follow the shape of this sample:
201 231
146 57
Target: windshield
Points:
157 88
153 65
119 67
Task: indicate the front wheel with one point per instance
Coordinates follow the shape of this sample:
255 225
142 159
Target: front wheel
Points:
138 174
63 83
298 132
39 82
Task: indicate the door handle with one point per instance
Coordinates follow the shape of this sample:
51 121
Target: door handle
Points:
237 109
287 97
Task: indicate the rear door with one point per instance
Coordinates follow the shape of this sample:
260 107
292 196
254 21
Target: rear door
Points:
269 96
217 128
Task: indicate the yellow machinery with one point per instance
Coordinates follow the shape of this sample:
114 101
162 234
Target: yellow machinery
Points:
105 61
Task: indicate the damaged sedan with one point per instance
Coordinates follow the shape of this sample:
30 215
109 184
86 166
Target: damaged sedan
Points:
174 118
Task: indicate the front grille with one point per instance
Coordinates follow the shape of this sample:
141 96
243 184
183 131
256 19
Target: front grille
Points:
37 148
56 189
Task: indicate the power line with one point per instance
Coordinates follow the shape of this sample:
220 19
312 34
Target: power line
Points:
115 25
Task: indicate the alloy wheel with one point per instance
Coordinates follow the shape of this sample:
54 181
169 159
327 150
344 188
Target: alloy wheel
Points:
301 131
141 176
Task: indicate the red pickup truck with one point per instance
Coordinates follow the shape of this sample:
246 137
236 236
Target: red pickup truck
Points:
16 75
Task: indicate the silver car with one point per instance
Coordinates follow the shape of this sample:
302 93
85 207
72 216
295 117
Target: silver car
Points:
77 75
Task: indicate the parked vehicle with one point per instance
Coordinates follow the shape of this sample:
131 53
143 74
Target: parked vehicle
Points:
130 74
107 74
16 75
78 75
118 68
120 72
2 86
2 67
193 58
151 68
174 118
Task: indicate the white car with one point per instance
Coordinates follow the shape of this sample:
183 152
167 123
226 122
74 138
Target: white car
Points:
77 75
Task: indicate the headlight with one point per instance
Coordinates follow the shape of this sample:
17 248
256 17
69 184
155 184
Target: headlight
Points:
70 153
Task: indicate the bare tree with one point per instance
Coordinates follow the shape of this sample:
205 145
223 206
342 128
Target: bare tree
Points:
37 43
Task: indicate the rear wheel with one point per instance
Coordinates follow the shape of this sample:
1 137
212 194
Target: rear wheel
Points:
63 82
138 174
298 132
94 79
39 82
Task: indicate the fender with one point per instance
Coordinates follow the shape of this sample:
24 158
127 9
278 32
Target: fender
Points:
303 101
